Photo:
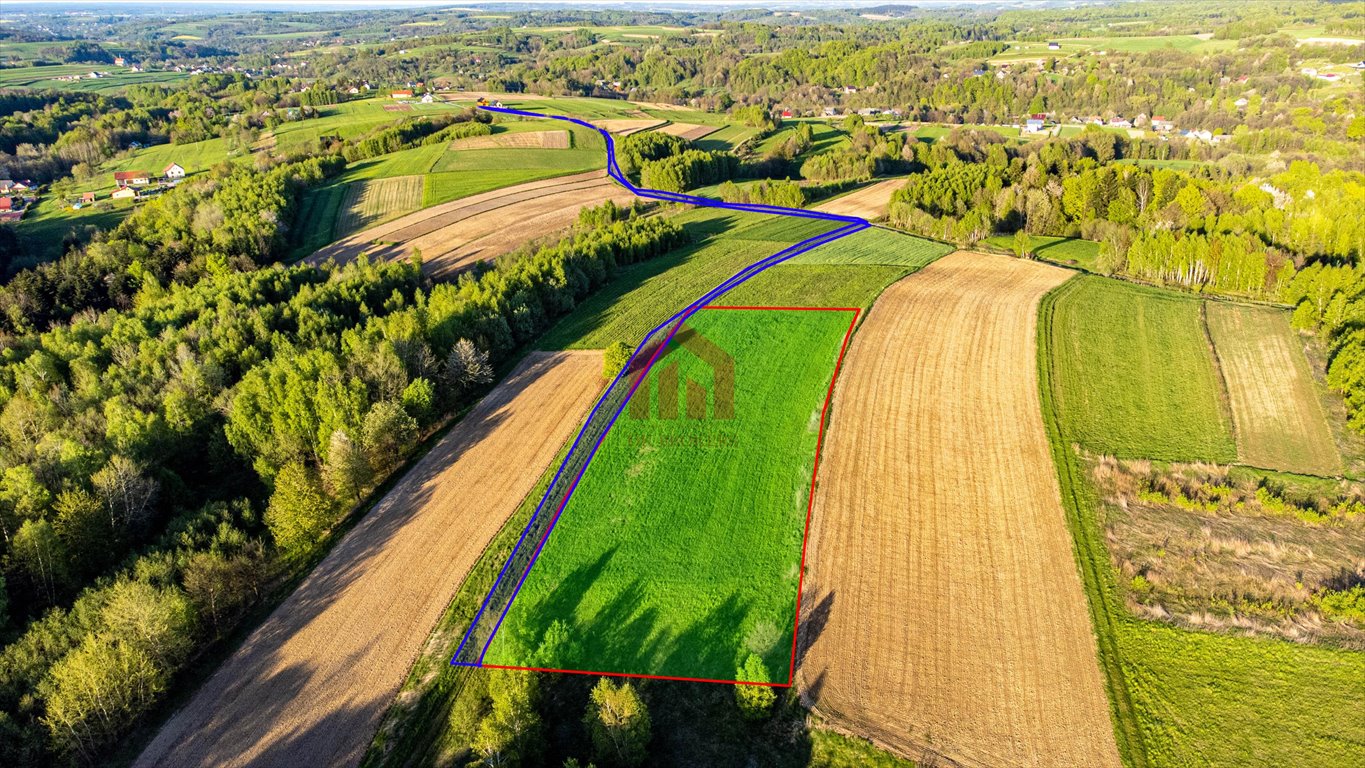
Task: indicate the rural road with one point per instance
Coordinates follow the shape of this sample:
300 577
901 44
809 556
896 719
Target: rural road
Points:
945 614
310 685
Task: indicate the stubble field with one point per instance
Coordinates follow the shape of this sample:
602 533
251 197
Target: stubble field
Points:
870 202
309 686
1280 420
454 235
944 615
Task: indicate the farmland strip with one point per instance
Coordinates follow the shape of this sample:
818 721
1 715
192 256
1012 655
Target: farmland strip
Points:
944 614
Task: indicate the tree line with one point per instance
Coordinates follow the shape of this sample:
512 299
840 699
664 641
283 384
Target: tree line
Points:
163 463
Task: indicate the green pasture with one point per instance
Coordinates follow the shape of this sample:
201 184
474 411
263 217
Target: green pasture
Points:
45 77
646 294
877 246
1178 697
726 138
1135 372
1072 251
679 552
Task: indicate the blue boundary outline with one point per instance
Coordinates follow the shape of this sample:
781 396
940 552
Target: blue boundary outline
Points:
852 224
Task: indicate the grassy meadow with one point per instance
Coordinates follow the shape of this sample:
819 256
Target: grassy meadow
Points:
679 552
1173 691
1071 251
877 247
1135 371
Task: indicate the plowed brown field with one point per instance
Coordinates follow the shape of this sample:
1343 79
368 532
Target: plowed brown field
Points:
453 235
870 202
309 686
945 616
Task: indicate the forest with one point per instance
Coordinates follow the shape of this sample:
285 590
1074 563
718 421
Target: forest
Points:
187 421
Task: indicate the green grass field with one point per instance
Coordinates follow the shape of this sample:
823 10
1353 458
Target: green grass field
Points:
316 219
877 247
726 138
1182 698
373 201
647 294
678 554
43 228
1134 367
1061 250
45 77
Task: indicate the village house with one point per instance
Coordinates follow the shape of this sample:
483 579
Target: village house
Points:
132 178
89 197
1120 122
173 172
1161 124
119 61
1035 123
401 94
123 192
427 98
1054 46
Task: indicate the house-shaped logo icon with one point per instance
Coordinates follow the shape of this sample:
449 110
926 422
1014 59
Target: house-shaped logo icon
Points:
669 380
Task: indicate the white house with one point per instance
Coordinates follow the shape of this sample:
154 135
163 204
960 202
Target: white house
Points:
1054 46
427 98
173 171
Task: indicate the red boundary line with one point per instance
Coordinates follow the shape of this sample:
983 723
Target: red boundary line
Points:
805 537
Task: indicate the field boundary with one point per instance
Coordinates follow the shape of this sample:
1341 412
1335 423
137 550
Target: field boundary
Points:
805 536
622 387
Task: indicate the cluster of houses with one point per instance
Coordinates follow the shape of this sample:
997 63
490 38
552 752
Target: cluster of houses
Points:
15 199
406 94
137 185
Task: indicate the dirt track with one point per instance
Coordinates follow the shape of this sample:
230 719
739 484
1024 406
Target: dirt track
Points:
944 615
870 202
453 235
309 686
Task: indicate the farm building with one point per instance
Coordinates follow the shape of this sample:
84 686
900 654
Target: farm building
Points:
173 171
123 192
401 94
132 178
1160 123
1035 123
1054 46
89 197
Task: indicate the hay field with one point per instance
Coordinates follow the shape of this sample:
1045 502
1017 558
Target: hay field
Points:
515 140
689 131
944 615
371 201
309 686
454 235
679 553
1280 422
869 202
1135 366
626 126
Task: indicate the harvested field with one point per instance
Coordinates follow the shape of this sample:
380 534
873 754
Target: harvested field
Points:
689 131
515 140
1280 423
944 613
870 202
454 235
309 686
371 201
625 126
